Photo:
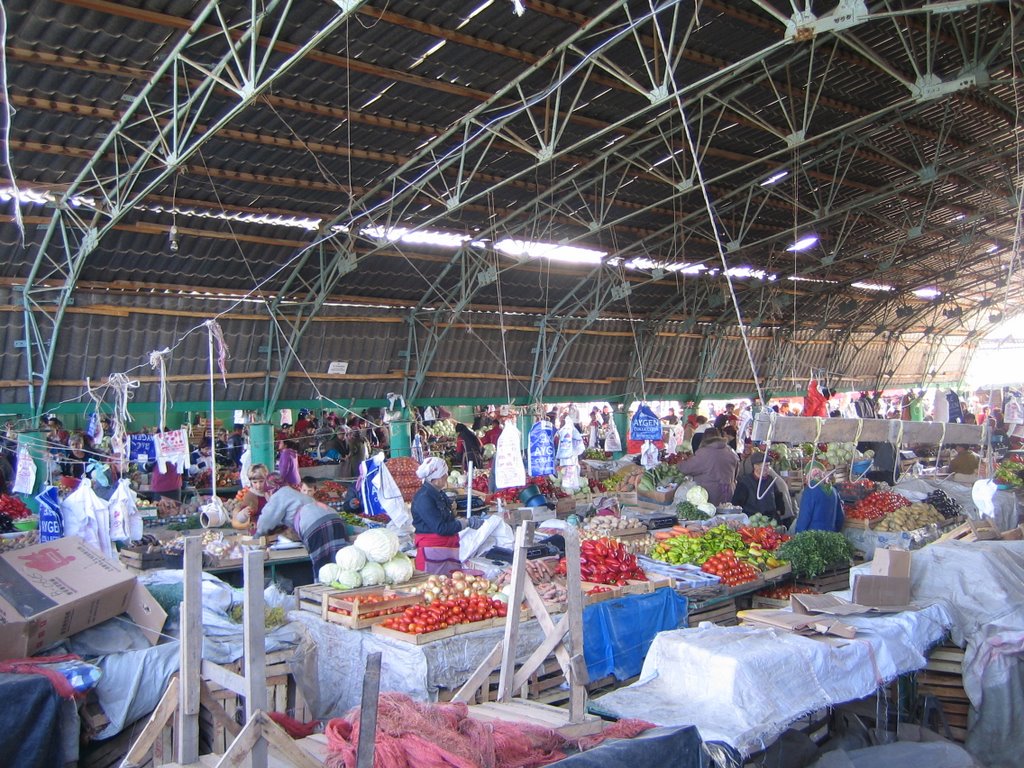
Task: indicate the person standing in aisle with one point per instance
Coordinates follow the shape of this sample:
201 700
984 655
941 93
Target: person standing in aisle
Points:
698 432
821 509
437 528
468 448
713 467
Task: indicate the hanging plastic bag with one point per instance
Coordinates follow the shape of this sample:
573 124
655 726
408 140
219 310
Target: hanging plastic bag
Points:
612 441
542 449
25 478
121 508
673 441
51 521
570 476
649 455
509 471
86 516
564 450
645 424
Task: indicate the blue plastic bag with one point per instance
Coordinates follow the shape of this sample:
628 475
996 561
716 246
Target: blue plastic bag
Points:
51 519
542 449
645 424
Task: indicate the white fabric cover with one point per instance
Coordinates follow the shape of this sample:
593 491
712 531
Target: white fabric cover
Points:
744 686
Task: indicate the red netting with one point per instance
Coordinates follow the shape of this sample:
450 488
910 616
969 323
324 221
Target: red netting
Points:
415 735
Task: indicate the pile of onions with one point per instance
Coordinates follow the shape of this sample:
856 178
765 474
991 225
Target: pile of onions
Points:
459 584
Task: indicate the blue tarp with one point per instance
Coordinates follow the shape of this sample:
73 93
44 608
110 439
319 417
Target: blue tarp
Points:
617 633
678 747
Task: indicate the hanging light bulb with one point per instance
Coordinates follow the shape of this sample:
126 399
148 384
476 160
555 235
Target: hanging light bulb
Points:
173 238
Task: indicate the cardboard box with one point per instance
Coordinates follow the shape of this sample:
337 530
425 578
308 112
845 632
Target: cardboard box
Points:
55 589
661 498
888 584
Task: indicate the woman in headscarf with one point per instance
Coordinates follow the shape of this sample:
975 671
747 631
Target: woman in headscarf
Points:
321 529
437 529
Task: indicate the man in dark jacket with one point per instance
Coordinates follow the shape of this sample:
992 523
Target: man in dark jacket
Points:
757 492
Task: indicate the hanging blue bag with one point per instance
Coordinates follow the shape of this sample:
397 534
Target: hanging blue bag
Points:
645 424
542 449
51 519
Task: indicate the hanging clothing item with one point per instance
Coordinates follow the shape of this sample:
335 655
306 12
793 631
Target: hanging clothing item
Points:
542 449
380 493
956 413
865 408
815 403
509 471
288 466
172 448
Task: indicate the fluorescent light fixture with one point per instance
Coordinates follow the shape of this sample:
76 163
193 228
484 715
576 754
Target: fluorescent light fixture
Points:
534 250
872 286
774 178
927 293
800 279
992 248
759 274
805 242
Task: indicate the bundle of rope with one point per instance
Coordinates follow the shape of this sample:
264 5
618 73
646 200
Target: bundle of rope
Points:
412 734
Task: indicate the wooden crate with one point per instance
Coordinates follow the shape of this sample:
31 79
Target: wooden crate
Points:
142 559
282 696
833 580
348 609
599 597
942 678
723 614
405 637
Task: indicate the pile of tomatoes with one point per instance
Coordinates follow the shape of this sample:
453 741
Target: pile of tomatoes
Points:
729 569
783 593
441 614
877 505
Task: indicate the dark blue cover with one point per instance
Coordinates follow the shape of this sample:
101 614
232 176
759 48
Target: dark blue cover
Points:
670 747
30 722
617 633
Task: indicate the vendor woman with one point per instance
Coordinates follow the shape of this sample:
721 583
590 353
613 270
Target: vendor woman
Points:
437 529
319 527
254 500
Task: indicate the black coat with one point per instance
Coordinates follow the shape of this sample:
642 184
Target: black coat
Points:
432 512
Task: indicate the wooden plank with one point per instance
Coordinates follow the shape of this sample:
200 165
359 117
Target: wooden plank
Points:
421 639
253 637
508 650
480 674
366 747
577 673
541 652
226 679
165 710
220 717
191 651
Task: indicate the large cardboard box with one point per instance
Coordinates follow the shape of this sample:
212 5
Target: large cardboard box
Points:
888 584
55 589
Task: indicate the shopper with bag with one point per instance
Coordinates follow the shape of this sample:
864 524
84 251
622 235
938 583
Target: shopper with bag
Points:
437 528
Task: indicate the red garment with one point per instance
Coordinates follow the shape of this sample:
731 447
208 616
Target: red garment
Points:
815 403
437 560
491 436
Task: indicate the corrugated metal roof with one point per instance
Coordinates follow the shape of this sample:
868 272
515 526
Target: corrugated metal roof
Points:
915 196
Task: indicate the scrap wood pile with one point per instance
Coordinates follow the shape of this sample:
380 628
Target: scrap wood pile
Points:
412 734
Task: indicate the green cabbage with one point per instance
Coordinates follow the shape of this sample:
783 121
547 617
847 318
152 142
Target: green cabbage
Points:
350 558
328 573
697 496
372 574
348 580
398 569
378 544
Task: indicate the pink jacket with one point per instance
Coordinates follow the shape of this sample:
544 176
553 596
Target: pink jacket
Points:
713 467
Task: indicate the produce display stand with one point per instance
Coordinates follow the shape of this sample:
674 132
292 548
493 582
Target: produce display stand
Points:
564 639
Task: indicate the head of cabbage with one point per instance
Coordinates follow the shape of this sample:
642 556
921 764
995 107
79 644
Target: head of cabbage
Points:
372 574
350 558
398 569
378 544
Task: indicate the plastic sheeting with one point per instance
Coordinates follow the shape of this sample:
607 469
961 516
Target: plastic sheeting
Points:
656 748
934 754
415 670
618 633
744 686
1004 512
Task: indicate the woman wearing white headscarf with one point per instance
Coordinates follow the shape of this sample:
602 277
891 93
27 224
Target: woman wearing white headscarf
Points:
437 529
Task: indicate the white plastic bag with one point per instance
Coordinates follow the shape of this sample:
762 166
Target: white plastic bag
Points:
509 470
86 516
475 541
982 494
121 510
612 441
